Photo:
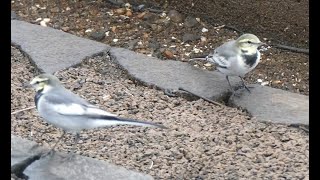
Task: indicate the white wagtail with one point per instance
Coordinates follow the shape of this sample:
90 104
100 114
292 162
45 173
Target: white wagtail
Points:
70 112
236 57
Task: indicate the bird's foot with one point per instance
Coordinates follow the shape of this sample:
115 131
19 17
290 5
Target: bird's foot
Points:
170 92
247 88
234 93
68 157
49 153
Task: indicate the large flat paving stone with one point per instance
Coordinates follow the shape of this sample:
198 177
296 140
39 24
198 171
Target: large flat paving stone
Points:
168 74
58 167
274 105
50 49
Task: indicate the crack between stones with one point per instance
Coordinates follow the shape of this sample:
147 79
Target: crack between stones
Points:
19 168
223 98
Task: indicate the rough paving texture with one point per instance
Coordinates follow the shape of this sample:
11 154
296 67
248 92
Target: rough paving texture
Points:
51 49
164 74
173 74
155 35
58 167
274 105
203 141
22 149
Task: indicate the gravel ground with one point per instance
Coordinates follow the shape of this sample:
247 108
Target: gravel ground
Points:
179 38
203 141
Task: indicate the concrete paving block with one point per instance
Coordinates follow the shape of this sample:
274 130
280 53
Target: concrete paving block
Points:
168 74
50 49
22 149
274 105
58 167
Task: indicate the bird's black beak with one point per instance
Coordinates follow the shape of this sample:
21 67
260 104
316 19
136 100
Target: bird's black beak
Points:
26 85
201 59
262 44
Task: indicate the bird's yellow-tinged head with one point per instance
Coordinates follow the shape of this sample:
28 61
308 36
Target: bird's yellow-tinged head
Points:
249 43
45 82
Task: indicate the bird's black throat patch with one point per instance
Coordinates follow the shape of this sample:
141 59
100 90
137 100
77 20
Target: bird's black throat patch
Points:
37 97
250 59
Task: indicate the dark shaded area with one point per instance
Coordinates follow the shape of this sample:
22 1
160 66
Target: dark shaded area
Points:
18 168
282 21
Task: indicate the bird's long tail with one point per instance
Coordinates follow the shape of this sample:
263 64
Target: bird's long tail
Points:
105 120
198 58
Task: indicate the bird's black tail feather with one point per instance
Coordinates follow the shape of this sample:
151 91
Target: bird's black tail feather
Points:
120 120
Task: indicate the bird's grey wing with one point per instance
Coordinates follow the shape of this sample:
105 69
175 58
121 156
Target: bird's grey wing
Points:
72 106
67 103
218 60
221 55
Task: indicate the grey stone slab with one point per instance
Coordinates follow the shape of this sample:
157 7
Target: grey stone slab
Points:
22 149
274 105
168 74
59 167
50 49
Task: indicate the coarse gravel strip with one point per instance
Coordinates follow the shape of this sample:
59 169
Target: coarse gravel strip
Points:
154 35
203 141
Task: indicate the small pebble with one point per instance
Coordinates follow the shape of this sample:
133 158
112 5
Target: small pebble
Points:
46 20
204 30
44 24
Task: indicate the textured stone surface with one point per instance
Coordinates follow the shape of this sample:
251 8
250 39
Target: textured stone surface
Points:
265 104
59 167
50 49
274 105
173 74
22 149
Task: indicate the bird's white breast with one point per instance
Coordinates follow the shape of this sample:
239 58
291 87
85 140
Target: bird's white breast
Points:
238 67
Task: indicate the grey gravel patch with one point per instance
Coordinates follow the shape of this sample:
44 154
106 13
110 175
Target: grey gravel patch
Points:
190 21
99 36
51 49
187 37
274 105
23 149
58 167
203 141
175 16
173 74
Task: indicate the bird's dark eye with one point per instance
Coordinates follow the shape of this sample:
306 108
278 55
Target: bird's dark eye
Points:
249 42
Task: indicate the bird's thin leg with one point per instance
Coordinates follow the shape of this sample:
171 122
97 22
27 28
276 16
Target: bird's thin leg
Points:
244 84
60 7
30 9
52 149
227 77
76 140
63 133
73 151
